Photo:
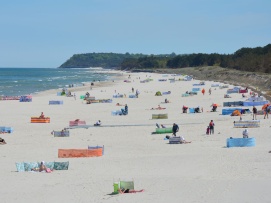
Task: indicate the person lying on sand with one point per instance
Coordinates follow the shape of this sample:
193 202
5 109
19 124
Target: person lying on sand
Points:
158 108
118 104
123 190
183 141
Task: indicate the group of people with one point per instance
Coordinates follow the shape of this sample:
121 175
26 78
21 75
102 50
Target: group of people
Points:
210 128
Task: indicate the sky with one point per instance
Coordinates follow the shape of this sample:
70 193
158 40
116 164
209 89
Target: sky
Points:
46 33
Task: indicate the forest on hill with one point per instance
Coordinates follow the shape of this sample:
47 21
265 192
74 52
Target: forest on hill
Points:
245 59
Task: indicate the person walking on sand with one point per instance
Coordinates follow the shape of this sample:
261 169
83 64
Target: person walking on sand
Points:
175 129
266 110
74 96
254 110
210 91
203 91
212 124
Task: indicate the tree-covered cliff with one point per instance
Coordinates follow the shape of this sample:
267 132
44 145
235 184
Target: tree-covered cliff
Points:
245 59
105 60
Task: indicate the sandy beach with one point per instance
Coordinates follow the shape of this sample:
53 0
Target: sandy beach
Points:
203 171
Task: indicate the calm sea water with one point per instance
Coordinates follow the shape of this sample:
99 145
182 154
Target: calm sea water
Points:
23 81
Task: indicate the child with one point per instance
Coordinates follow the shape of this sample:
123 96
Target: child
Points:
208 130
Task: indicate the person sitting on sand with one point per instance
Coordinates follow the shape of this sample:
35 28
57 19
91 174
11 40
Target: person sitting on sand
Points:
185 109
197 110
42 115
2 141
163 126
62 133
123 190
76 121
245 133
98 123
159 107
166 101
42 168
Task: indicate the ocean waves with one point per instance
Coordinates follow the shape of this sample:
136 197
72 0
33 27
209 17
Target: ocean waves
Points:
22 81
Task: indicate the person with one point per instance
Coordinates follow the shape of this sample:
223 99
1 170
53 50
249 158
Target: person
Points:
163 126
197 110
185 109
2 141
210 91
166 101
214 107
126 109
41 115
157 125
208 130
137 93
123 190
243 95
133 90
183 141
62 133
203 91
159 107
74 96
211 124
98 123
175 129
41 168
254 110
245 133
266 111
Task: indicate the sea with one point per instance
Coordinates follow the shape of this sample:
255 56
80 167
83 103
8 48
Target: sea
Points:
25 81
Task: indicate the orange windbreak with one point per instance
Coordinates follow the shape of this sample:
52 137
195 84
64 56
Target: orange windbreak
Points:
69 153
40 120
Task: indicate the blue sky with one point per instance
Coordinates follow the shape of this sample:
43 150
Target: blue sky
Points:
46 33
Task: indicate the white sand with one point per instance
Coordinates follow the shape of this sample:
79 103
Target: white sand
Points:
203 171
